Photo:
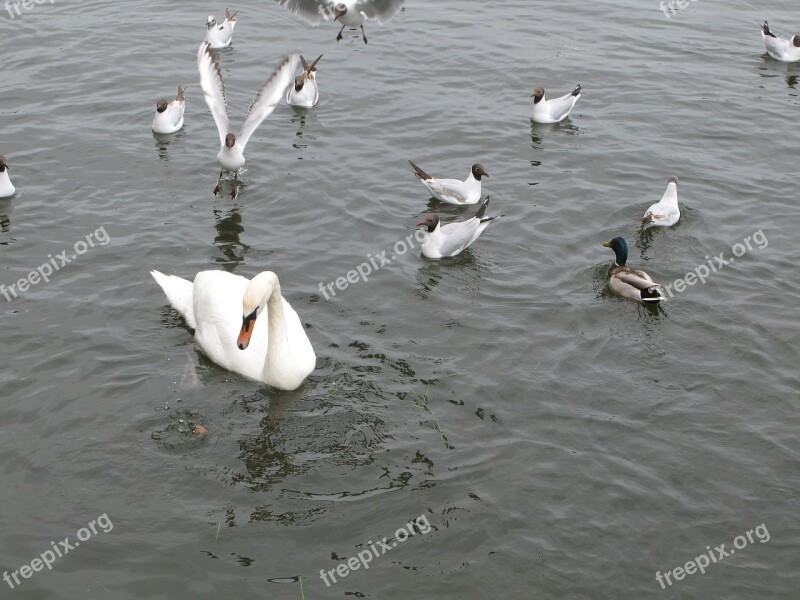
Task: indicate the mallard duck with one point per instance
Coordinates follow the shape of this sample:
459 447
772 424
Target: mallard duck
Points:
627 282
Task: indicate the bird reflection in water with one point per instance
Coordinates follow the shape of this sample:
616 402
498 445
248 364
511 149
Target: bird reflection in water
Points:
229 228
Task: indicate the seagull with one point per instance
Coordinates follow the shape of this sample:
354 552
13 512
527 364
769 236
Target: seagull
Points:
169 115
231 153
665 212
780 49
220 36
553 111
7 188
454 191
443 241
304 92
350 13
630 283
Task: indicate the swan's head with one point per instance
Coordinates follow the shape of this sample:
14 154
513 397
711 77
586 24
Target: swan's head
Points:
256 296
161 105
339 10
230 140
537 95
211 21
430 222
478 171
299 82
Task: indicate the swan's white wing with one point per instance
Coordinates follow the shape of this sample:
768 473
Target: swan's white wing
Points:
310 11
179 293
213 89
381 11
268 97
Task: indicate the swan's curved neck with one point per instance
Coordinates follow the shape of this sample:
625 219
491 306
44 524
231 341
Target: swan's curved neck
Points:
278 338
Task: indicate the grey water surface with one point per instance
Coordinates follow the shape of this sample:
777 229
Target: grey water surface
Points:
562 443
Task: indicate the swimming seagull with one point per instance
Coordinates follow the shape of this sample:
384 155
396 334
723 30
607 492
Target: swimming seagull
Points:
350 13
304 92
220 36
454 191
169 115
443 241
231 153
553 111
665 212
7 188
778 48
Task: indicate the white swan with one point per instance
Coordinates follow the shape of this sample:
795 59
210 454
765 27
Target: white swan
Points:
274 350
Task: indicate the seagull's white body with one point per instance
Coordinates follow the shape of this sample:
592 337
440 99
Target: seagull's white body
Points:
231 152
553 111
220 36
779 48
355 14
453 191
306 97
665 212
308 94
279 351
442 241
350 13
170 120
7 188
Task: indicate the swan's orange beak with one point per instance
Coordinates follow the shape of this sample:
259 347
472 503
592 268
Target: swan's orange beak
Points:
248 325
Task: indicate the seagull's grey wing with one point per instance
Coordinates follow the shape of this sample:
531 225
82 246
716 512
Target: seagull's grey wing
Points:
559 107
457 236
448 188
381 11
268 96
310 11
213 89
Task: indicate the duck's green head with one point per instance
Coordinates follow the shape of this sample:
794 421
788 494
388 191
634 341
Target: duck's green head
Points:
620 248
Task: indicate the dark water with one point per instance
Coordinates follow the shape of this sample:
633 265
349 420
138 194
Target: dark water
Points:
560 442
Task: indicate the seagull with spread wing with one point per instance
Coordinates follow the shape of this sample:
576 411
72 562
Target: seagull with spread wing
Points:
231 153
350 13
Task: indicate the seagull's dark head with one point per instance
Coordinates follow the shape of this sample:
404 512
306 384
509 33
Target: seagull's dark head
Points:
211 21
430 222
537 95
3 163
161 105
674 180
230 140
796 41
299 82
339 10
478 171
